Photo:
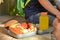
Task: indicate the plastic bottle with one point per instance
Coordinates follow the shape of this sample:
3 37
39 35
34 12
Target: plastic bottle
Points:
43 21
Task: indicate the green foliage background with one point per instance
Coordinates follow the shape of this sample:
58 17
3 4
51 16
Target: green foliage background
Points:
14 11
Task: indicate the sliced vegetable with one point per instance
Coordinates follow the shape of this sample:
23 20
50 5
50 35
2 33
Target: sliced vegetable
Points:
16 30
24 25
29 24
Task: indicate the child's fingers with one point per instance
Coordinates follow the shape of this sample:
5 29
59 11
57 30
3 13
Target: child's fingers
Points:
55 22
58 26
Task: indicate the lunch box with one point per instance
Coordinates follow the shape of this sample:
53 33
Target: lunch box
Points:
20 35
39 32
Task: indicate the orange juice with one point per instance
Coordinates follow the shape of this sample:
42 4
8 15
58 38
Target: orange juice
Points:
43 21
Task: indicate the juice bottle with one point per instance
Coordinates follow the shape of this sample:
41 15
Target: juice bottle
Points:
43 21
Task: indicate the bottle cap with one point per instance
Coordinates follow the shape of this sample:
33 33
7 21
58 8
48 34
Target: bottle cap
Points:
43 13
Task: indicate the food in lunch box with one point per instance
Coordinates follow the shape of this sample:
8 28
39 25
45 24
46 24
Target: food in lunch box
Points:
11 22
16 30
24 25
20 28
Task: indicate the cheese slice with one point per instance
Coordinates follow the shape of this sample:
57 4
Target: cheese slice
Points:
13 26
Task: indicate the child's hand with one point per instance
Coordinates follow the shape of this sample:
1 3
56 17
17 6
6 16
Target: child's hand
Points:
56 32
58 16
56 24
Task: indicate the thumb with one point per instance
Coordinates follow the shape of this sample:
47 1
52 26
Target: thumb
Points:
58 26
55 22
58 17
58 20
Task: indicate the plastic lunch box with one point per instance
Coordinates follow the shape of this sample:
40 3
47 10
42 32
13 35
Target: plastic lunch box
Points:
20 35
30 33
